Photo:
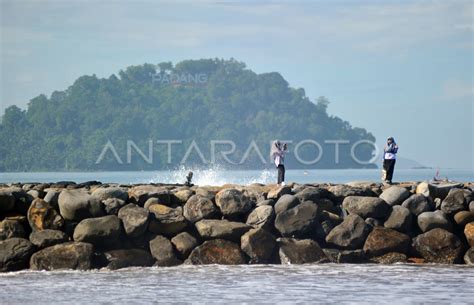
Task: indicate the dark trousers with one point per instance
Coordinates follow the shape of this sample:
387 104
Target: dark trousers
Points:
389 166
281 173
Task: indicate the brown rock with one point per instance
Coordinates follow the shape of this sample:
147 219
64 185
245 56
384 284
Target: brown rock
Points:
72 255
383 240
439 246
41 216
469 233
217 251
464 217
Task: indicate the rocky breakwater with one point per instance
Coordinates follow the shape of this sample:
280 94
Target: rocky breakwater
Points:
93 225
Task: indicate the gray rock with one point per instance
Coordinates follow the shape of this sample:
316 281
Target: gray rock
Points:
78 204
15 254
342 191
162 250
7 200
52 197
48 238
345 256
305 251
113 205
184 243
350 234
383 240
313 194
134 219
389 258
35 194
232 202
471 206
454 202
469 256
266 202
20 198
198 207
367 207
41 216
123 258
417 204
217 251
286 202
71 255
400 219
439 246
11 228
103 193
373 222
436 190
100 231
141 193
430 220
262 217
259 245
395 195
180 197
298 221
278 191
165 220
221 229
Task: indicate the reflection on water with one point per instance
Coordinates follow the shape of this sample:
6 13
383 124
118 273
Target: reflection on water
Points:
258 283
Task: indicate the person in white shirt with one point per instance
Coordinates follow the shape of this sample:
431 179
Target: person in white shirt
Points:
277 152
389 157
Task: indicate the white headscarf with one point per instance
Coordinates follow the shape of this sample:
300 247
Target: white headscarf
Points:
276 148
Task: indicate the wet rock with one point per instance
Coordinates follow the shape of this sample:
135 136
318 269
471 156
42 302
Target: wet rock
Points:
47 238
162 250
305 251
134 219
217 251
469 256
350 234
439 246
383 240
345 256
431 220
141 193
101 231
184 243
7 200
15 253
71 255
400 219
259 245
11 228
390 258
286 202
366 207
198 207
221 229
417 204
464 217
454 202
395 195
469 233
41 216
298 221
165 220
262 217
232 202
113 205
78 204
124 258
278 191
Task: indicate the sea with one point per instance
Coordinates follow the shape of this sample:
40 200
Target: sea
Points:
249 284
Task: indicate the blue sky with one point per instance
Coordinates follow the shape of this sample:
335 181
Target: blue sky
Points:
400 68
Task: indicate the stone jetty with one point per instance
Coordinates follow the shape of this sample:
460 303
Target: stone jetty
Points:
64 225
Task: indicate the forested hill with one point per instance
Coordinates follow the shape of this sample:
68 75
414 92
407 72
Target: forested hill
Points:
92 124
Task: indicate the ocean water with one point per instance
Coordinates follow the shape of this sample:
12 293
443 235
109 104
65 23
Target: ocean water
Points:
217 176
327 283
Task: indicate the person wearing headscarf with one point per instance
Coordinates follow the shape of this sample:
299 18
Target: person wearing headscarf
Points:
389 157
277 152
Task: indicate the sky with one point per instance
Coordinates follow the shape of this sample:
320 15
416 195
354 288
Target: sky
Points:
397 68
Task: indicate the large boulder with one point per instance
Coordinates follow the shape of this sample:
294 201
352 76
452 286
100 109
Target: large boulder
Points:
259 245
41 216
278 191
103 193
217 251
454 202
469 233
101 231
15 253
464 217
78 204
181 196
165 220
233 202
198 207
342 191
47 238
400 219
305 251
313 194
113 205
162 250
436 190
184 243
439 246
417 204
299 221
469 256
366 207
262 217
21 199
123 258
350 234
383 240
395 195
141 193
11 228
430 220
345 256
7 200
221 229
71 255
134 219
52 197
286 202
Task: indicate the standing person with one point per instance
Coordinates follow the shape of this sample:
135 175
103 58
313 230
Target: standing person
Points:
389 157
278 151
